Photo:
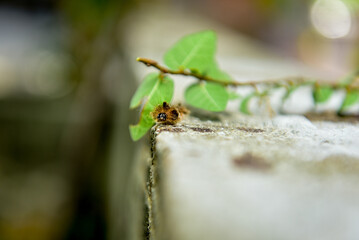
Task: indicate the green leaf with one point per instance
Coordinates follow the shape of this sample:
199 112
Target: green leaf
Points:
161 92
207 96
233 95
137 131
245 104
195 51
290 90
144 89
351 98
215 73
347 80
322 94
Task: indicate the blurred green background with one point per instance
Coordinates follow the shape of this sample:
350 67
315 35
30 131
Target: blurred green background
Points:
65 86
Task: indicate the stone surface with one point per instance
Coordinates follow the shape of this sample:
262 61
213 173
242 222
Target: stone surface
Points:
255 178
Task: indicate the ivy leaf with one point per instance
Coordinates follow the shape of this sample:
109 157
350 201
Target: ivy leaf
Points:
195 51
290 90
144 89
161 92
146 122
233 95
346 81
245 104
322 94
207 96
350 99
215 73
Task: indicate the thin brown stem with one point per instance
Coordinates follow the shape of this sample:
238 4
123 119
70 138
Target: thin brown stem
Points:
152 63
289 80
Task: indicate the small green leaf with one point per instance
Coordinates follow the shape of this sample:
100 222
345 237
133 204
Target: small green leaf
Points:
346 81
289 92
233 95
215 73
161 92
137 131
144 89
351 98
207 96
245 104
195 51
322 94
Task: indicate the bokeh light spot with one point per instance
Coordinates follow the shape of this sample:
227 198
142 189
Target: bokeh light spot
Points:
331 18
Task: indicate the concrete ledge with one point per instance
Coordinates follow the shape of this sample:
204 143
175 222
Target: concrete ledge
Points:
254 178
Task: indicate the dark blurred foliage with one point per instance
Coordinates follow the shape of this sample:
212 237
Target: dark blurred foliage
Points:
31 5
94 43
64 136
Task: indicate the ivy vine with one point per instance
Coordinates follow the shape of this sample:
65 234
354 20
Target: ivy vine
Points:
194 56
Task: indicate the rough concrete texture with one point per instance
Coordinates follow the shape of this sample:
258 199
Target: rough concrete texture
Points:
255 178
